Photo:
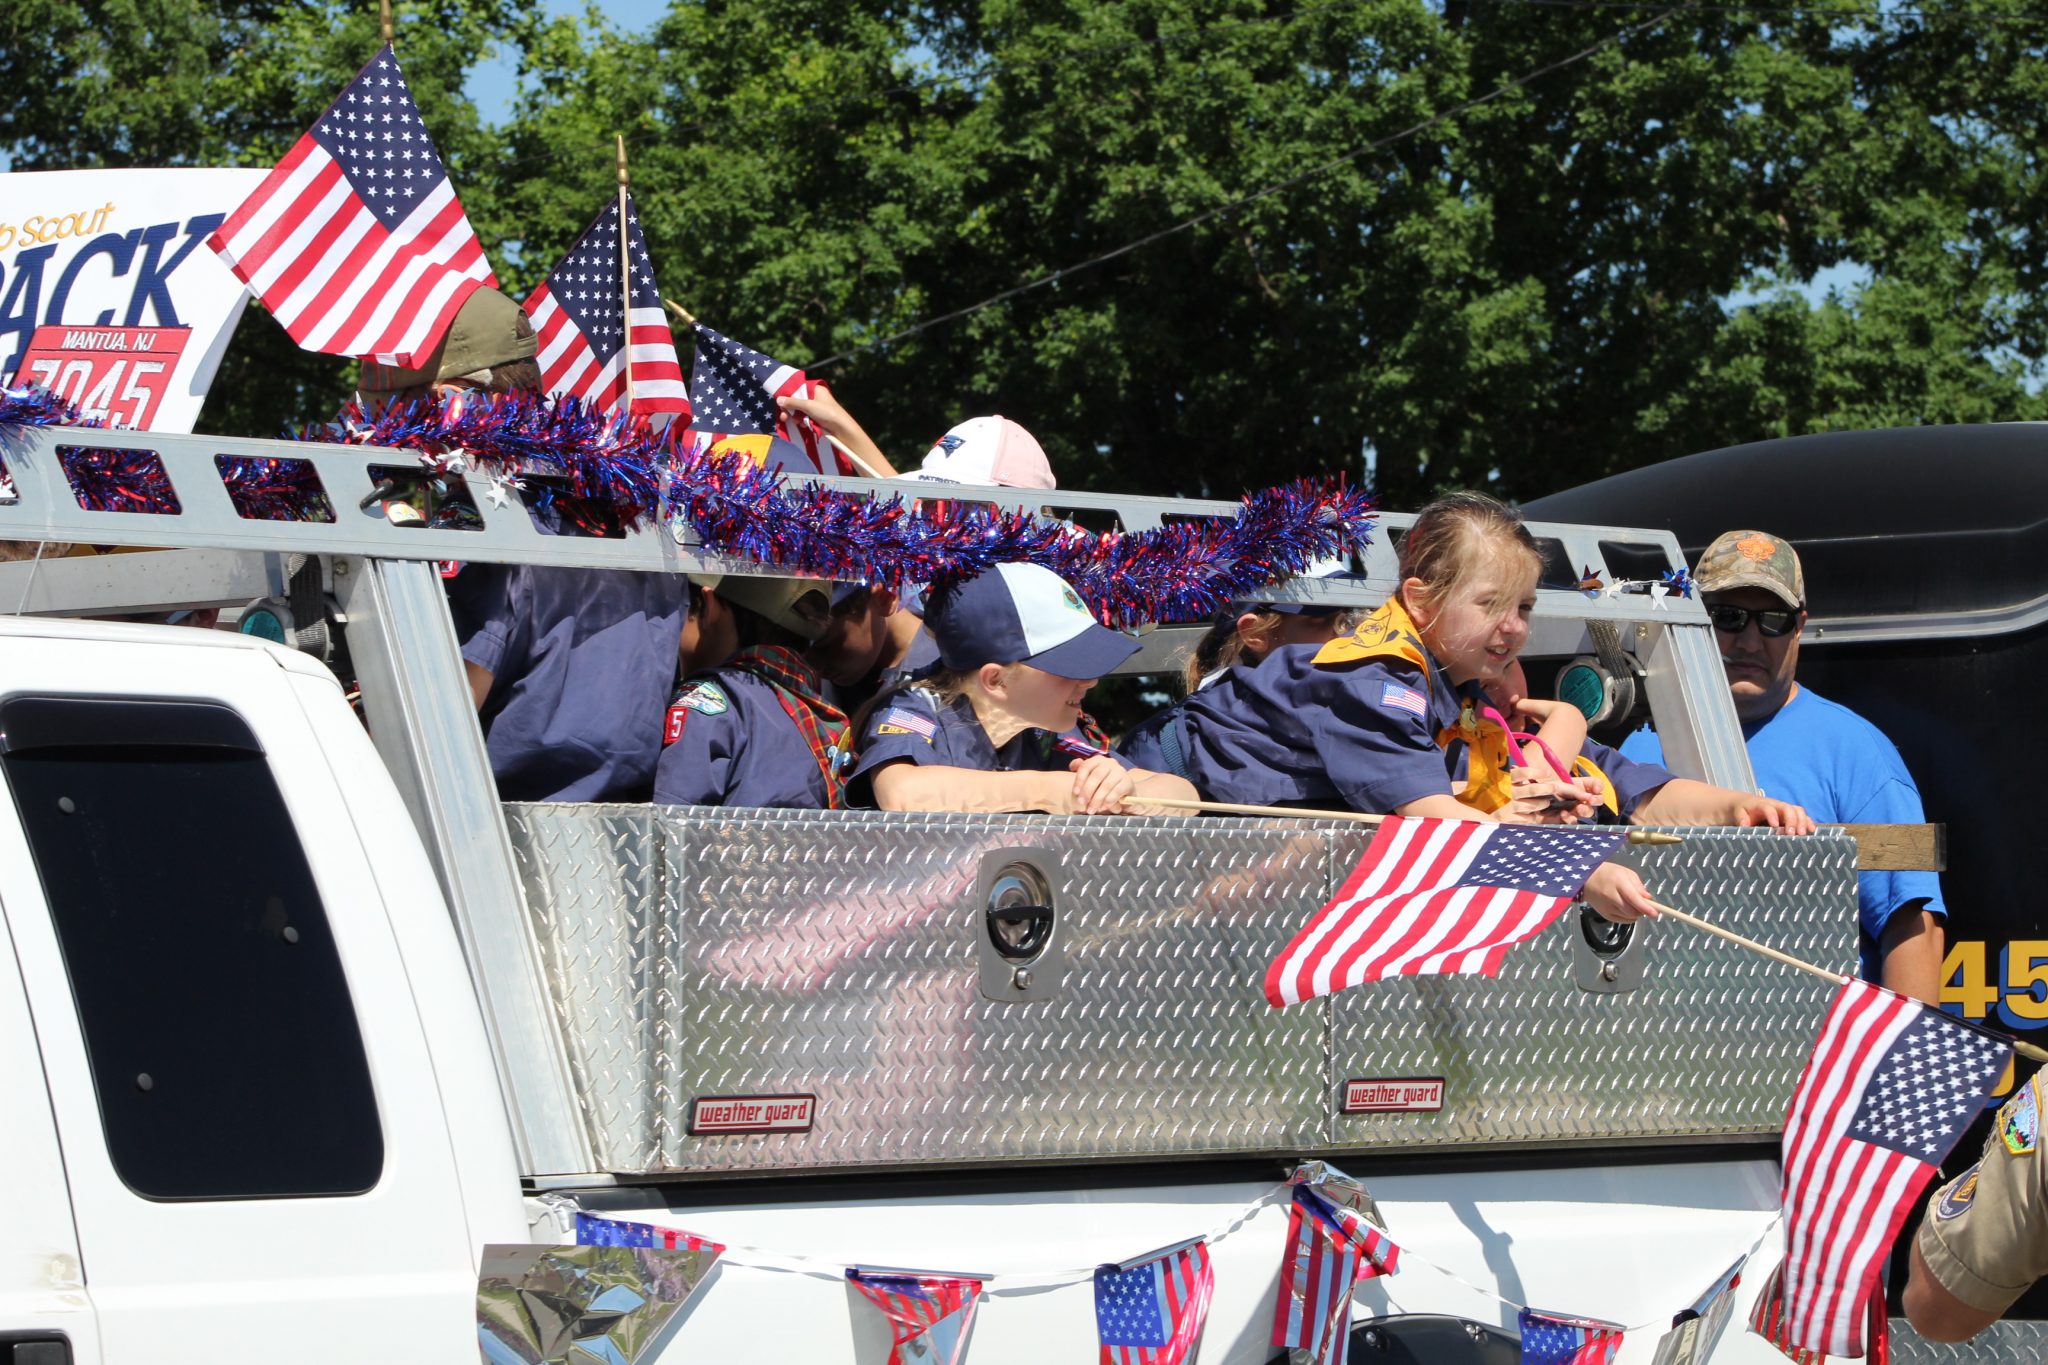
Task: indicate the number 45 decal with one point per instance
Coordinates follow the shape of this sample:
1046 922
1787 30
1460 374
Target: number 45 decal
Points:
2016 997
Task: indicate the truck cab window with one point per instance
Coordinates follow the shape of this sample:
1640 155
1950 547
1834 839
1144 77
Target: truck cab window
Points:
224 1048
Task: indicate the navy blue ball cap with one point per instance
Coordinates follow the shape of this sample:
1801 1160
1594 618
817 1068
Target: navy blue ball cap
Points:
1023 614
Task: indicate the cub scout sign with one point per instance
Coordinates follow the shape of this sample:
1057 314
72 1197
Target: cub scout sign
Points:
108 295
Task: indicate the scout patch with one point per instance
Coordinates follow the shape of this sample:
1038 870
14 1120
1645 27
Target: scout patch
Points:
1957 1195
2019 1123
897 721
1399 698
705 698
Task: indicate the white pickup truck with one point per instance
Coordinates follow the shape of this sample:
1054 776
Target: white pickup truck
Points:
295 1022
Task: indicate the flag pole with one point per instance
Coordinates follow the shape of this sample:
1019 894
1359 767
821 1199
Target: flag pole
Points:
687 318
2027 1050
625 275
1635 836
384 23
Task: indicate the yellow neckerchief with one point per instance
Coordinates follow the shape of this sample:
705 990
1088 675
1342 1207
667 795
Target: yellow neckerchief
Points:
1391 633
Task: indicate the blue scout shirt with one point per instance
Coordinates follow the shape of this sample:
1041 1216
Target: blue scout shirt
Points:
1290 731
1823 756
914 725
582 664
922 655
728 742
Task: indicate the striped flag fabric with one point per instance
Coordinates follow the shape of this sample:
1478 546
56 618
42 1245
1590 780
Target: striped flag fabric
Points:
1438 896
1767 1320
1329 1249
586 329
1890 1087
592 1231
733 389
1548 1339
356 242
1150 1311
928 1315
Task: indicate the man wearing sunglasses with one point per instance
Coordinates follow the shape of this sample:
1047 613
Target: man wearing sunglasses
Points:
1807 749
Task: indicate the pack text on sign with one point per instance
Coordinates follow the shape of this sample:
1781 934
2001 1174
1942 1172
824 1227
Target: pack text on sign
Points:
119 254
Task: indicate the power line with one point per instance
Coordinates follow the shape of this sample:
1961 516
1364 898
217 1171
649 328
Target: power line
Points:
1233 205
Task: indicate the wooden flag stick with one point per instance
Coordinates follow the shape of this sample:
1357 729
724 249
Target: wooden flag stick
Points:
384 24
1635 836
2027 1050
858 463
625 274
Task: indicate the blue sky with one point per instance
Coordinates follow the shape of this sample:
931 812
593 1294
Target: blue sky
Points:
494 83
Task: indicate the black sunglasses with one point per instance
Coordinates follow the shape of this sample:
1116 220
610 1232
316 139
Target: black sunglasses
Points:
1770 624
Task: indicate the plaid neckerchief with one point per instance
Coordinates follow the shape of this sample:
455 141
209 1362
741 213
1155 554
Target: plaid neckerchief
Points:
802 694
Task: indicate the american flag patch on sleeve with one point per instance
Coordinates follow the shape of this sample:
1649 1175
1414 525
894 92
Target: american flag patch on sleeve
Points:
898 721
1400 698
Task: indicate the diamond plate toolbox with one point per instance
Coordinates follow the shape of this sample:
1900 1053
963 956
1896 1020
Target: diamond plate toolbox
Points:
699 955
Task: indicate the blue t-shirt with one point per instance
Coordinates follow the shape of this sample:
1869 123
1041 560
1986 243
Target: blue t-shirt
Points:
914 726
1823 756
728 742
1290 731
582 663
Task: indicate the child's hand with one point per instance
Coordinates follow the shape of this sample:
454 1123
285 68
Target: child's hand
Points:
1101 785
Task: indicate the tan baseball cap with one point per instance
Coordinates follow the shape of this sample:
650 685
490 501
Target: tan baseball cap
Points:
802 606
1753 559
489 329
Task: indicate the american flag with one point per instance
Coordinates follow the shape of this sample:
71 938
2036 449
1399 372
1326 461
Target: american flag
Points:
1767 1319
733 389
1433 896
586 329
1150 1312
930 1314
1551 1340
356 242
592 1231
1329 1249
1890 1087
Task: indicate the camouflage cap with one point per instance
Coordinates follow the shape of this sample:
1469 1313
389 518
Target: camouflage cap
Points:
489 329
1752 559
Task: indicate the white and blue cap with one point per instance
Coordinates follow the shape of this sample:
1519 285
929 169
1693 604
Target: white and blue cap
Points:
1023 614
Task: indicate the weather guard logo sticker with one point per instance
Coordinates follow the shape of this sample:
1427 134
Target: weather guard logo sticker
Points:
1394 1095
711 1114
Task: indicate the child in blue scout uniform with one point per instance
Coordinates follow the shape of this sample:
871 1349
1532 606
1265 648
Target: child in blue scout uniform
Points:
754 728
1391 718
998 726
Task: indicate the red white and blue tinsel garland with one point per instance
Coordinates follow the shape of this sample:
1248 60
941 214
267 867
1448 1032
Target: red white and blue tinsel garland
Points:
1181 572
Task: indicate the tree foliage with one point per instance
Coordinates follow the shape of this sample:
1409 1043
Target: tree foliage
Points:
1404 241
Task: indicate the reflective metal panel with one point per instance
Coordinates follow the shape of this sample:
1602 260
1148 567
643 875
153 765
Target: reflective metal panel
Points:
704 955
1709 1046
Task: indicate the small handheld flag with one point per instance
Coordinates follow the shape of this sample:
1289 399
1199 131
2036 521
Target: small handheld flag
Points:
587 330
1438 896
1890 1087
733 389
356 242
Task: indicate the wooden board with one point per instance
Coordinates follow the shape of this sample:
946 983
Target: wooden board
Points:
1898 848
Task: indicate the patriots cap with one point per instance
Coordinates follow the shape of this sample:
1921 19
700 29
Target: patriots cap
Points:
988 451
1023 614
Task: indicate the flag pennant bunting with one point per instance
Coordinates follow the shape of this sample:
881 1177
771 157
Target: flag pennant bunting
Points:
356 242
588 327
928 1315
1438 896
1150 1311
592 1231
1329 1249
733 389
1695 1331
1548 1339
1890 1087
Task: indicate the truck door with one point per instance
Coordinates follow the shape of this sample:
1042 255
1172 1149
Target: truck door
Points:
42 1292
258 1164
